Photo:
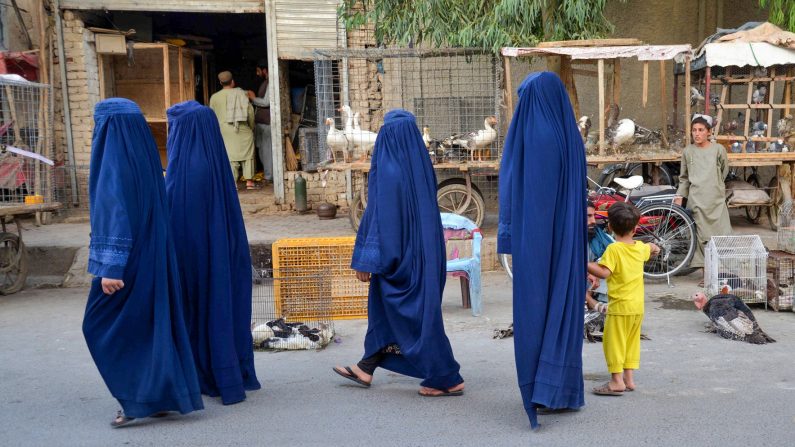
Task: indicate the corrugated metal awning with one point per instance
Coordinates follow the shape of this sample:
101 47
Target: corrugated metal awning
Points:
302 27
642 52
235 6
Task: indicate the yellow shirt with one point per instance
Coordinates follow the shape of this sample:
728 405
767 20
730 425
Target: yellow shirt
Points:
625 284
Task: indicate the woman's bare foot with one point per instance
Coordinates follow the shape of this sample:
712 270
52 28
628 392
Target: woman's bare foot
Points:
433 392
354 373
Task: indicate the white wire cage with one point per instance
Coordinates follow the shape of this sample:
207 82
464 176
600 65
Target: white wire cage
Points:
455 94
26 148
739 262
281 320
785 237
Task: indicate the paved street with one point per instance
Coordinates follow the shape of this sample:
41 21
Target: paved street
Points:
693 387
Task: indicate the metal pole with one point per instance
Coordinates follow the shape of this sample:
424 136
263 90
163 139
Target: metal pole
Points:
67 111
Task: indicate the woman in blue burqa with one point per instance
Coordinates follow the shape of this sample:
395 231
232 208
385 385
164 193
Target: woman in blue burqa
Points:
542 224
400 250
134 322
212 251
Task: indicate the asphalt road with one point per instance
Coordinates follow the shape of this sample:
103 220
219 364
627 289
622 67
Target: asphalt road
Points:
693 387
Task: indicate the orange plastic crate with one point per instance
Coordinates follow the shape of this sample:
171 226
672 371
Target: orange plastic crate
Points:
329 256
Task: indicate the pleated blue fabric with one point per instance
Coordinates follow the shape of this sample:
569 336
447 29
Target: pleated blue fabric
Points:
137 336
401 243
213 252
542 224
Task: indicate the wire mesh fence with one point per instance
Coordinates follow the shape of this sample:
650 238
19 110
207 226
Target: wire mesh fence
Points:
786 228
781 280
26 148
291 310
739 262
455 95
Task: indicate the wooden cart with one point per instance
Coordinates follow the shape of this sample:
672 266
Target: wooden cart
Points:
13 255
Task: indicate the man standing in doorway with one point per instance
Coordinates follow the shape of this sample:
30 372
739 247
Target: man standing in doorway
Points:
262 116
236 118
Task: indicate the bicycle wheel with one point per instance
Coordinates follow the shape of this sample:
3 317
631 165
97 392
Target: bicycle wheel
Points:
753 213
674 231
507 264
356 211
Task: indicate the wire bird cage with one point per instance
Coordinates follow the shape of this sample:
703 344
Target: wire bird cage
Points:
739 262
455 94
780 280
284 320
26 150
786 228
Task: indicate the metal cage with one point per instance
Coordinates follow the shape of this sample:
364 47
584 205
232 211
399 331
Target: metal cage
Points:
455 94
739 262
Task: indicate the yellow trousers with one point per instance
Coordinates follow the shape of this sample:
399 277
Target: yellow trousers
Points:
621 342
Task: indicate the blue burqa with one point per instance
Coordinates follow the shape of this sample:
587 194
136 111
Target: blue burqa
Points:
212 250
401 243
137 336
543 226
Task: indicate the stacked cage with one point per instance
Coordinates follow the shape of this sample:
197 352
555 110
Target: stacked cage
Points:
786 229
780 280
26 152
454 93
739 262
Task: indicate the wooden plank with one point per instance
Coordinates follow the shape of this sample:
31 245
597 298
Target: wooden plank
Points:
601 71
787 92
746 125
17 210
707 92
663 108
687 101
180 75
771 91
568 82
166 81
754 106
646 83
590 43
582 72
744 80
617 82
723 92
205 81
506 61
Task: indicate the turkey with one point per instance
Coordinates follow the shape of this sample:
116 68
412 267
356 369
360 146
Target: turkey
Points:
731 318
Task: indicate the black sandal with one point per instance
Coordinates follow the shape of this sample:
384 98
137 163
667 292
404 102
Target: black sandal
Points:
121 420
351 376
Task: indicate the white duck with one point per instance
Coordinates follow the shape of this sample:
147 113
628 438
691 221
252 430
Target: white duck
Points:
619 132
336 140
475 141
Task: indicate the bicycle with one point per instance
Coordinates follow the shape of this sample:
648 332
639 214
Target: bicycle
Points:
662 222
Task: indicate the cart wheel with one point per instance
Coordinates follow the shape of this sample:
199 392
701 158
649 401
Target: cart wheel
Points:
356 211
452 195
753 213
775 203
13 264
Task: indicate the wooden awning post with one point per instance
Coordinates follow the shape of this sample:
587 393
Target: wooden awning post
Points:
205 82
181 74
645 83
506 61
771 93
687 101
617 82
663 107
708 77
166 80
601 75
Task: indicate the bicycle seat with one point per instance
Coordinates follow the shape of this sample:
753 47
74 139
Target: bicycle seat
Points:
630 182
652 191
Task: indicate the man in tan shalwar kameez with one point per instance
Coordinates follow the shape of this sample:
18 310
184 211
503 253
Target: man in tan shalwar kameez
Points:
703 170
236 118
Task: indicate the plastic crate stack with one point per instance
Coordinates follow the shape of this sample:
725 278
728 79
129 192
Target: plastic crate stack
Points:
328 256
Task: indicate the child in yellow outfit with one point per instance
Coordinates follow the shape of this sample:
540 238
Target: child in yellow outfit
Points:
622 266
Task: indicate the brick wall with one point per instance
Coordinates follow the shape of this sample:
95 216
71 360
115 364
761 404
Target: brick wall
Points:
334 192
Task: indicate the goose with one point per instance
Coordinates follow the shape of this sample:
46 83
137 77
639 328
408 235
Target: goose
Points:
363 139
336 140
475 141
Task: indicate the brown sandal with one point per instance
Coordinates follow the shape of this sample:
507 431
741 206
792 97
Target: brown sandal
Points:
605 390
121 420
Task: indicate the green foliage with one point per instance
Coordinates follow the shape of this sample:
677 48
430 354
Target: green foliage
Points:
488 24
782 13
